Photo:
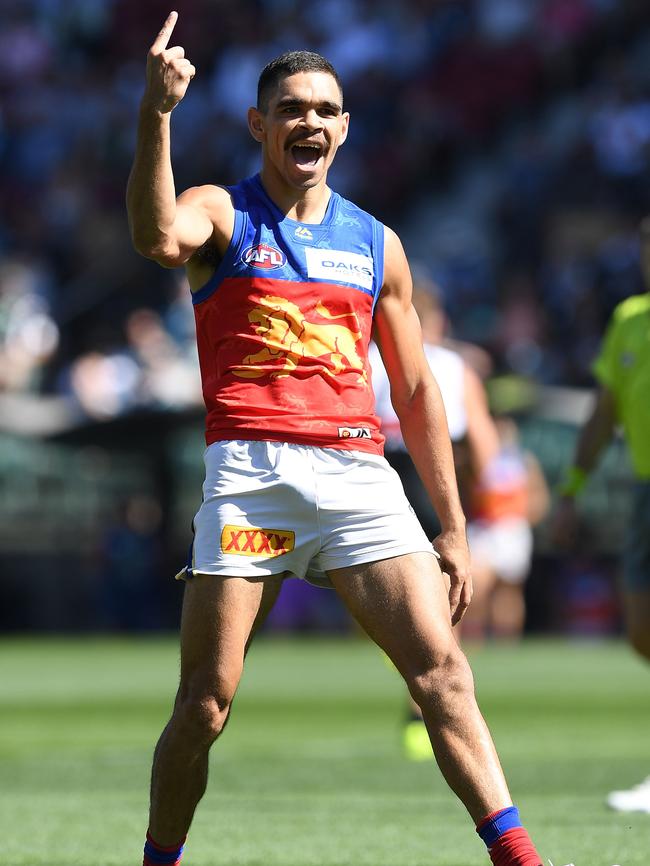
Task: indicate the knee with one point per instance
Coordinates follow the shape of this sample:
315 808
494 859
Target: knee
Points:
446 678
202 716
640 640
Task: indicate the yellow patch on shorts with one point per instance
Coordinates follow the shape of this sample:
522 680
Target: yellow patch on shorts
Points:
254 541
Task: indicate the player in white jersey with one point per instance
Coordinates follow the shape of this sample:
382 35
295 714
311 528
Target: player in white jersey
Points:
503 487
474 437
510 498
471 429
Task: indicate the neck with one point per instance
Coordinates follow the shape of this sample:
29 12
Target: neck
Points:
302 205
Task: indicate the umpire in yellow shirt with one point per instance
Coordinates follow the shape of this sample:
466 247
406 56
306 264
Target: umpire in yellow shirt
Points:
623 373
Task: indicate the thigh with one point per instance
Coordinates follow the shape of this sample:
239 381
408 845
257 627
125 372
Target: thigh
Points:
220 615
402 603
636 557
636 604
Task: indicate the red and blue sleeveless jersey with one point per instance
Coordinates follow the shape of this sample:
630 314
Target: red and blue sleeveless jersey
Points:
284 323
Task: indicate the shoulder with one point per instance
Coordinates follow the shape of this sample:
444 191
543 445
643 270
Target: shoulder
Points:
623 324
217 203
397 276
208 197
636 305
392 241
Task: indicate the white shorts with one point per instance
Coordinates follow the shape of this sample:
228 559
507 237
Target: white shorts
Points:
274 507
506 547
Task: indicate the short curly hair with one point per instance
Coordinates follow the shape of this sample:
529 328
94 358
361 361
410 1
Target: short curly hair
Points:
287 64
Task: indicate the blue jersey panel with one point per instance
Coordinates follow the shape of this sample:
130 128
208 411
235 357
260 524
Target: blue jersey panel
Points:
346 249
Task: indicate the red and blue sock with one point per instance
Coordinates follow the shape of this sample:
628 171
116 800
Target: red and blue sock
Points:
507 841
157 855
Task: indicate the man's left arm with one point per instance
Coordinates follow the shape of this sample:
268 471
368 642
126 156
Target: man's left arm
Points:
416 399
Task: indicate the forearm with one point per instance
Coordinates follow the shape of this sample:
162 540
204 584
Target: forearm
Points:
151 194
592 441
424 428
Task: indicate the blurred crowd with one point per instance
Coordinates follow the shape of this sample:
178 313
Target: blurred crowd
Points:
507 140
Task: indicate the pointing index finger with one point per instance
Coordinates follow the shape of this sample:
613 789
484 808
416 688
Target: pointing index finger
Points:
162 39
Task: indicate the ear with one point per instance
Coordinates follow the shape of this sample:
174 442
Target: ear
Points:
256 124
345 123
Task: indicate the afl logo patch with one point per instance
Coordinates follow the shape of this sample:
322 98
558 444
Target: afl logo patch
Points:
263 256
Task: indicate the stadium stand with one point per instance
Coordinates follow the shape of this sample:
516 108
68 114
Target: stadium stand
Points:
507 141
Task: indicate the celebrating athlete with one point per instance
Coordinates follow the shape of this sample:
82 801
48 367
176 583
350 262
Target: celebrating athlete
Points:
285 276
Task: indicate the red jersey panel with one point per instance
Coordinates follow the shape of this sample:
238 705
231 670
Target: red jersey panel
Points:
287 361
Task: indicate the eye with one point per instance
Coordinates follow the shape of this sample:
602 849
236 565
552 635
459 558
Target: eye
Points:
329 111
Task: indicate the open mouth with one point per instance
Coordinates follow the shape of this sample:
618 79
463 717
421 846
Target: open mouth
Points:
306 154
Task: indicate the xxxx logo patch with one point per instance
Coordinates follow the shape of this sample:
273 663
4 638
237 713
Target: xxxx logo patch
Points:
252 541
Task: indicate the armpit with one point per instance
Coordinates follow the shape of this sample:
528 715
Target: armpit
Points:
208 254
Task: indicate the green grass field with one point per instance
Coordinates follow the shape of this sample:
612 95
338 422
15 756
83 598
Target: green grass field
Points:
310 771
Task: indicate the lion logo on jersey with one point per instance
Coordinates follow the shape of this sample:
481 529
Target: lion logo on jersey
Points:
289 337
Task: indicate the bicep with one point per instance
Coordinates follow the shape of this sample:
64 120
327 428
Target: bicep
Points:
202 214
192 228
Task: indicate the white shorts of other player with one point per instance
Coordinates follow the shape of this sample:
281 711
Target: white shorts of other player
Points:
506 547
274 507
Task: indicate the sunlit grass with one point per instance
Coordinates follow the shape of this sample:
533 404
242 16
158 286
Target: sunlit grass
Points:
310 771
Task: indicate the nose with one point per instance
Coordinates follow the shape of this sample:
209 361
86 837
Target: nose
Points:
311 119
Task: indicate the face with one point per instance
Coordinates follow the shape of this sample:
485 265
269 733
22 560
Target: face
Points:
301 129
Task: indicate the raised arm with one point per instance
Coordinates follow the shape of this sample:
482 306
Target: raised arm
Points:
416 399
162 227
